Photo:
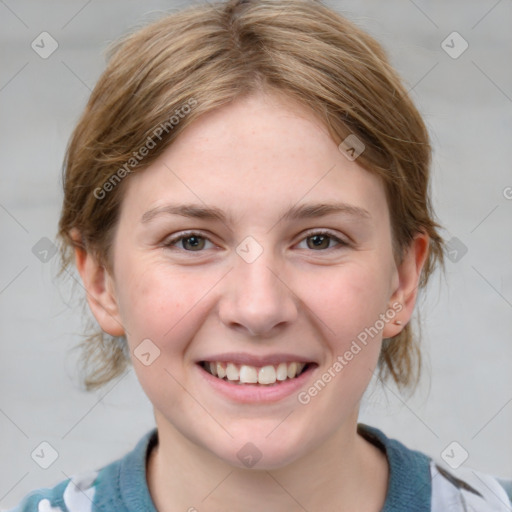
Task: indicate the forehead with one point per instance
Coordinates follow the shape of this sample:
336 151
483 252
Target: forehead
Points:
253 156
269 128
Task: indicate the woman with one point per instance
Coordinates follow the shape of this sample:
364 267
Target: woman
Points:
246 201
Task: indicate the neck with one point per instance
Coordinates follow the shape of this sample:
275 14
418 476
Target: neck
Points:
345 472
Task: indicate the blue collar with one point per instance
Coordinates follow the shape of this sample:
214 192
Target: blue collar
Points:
409 486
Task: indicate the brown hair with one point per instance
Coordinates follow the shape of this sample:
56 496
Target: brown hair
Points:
205 57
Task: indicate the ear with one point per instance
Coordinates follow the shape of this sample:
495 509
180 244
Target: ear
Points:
406 283
99 286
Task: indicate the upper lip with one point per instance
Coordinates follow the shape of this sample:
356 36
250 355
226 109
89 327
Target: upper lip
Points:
240 358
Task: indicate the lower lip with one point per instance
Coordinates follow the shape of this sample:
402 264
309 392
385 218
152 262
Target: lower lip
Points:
251 393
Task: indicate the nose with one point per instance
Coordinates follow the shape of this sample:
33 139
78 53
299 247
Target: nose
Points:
256 298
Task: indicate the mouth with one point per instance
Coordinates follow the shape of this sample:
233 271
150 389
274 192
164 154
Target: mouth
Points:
248 375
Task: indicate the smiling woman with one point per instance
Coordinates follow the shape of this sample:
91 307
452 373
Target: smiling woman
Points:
343 78
257 265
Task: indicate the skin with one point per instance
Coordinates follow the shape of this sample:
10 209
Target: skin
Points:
255 159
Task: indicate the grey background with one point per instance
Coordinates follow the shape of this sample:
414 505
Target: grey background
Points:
466 392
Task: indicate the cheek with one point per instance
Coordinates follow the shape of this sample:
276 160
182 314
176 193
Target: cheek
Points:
162 306
346 304
350 309
348 299
160 303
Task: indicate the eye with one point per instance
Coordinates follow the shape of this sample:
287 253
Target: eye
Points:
190 242
195 242
321 240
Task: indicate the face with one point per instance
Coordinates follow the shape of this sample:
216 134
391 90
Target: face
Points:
265 281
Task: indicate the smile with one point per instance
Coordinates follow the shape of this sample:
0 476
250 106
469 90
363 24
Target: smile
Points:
267 375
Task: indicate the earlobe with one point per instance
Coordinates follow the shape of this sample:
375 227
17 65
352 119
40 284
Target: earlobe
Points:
405 293
99 288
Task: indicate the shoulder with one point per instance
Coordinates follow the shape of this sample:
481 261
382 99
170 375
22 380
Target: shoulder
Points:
108 488
419 483
76 494
468 489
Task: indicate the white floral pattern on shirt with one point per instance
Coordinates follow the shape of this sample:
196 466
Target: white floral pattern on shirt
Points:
78 495
46 506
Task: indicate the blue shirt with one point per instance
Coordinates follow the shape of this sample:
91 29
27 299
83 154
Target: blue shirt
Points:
416 484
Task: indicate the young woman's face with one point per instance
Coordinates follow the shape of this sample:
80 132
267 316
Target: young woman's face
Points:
267 279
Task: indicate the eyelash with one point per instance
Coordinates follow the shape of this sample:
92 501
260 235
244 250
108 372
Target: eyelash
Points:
189 234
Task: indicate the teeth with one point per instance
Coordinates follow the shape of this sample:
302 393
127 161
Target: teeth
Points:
221 371
292 370
266 375
246 374
282 371
232 372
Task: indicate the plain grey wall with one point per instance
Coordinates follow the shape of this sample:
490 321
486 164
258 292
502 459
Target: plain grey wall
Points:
466 99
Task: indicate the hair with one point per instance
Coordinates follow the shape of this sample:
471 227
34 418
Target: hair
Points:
162 77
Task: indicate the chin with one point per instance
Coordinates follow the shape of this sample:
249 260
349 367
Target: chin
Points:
257 454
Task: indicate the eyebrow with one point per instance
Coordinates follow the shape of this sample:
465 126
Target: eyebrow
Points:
298 212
